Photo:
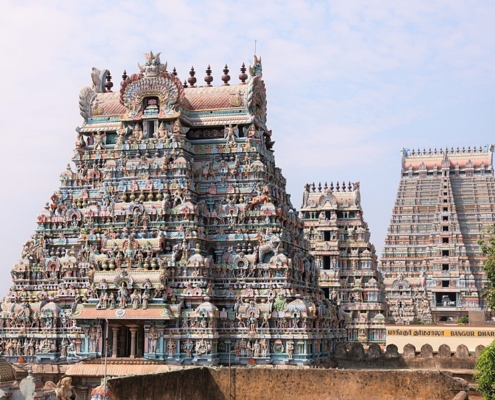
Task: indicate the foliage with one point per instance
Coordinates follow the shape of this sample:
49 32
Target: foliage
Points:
485 372
485 366
463 320
488 248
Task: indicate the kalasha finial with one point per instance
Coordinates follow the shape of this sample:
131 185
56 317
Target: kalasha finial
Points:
243 76
124 76
174 72
226 76
185 84
208 77
192 79
109 83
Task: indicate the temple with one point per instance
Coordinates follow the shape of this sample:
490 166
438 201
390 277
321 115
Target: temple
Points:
172 237
340 243
431 261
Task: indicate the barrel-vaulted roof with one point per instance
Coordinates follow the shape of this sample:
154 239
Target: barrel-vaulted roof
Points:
104 110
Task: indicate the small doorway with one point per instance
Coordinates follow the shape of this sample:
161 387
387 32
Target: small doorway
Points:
124 342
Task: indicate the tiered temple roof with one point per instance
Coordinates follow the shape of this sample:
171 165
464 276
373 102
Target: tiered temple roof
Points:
340 243
173 236
431 260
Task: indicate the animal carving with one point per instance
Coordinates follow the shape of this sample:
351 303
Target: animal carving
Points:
258 200
269 247
256 68
152 66
261 199
63 390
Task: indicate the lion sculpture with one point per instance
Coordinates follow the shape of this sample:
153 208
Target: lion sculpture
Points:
62 389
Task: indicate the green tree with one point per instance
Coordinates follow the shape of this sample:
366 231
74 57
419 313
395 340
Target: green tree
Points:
485 366
484 372
488 248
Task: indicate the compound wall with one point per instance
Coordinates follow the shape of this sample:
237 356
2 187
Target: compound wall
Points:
287 384
436 335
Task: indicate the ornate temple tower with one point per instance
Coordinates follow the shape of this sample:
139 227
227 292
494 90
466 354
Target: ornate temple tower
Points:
431 261
173 237
340 243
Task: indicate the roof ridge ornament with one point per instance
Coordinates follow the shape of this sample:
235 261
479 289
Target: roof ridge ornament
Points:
152 66
256 69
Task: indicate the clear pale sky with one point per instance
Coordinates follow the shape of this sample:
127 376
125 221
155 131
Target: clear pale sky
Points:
349 83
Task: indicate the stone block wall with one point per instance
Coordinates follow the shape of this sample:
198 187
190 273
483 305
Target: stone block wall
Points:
300 384
354 355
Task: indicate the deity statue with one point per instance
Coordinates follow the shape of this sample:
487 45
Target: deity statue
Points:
280 302
153 339
252 133
305 195
121 134
256 349
144 300
176 129
123 296
111 300
137 133
162 132
99 140
188 345
201 347
170 347
135 299
230 134
264 347
290 348
80 143
102 303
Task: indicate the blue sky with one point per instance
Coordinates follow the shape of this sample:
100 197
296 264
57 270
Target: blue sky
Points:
349 84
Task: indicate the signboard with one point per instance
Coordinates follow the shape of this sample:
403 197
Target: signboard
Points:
436 335
441 332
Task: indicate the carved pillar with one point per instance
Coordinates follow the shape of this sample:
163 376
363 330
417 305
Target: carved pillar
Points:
86 340
115 331
160 347
147 340
133 329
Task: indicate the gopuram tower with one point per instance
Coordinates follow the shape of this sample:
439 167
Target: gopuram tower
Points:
173 236
346 259
431 261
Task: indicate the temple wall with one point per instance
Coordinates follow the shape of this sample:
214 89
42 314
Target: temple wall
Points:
301 384
441 357
436 335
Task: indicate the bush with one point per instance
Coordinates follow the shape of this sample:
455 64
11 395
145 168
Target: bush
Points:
463 320
484 372
488 248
